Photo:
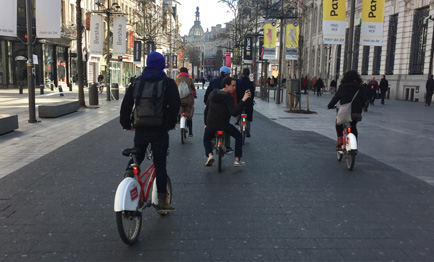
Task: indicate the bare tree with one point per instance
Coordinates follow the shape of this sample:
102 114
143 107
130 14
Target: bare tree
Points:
193 55
80 72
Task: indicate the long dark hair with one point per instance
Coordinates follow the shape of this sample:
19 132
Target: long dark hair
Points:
352 77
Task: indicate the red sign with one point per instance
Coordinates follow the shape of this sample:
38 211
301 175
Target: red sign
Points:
131 39
228 59
88 21
134 194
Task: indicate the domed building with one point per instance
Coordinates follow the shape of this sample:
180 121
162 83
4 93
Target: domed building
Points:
196 31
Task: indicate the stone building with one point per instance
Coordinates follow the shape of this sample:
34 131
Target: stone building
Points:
405 57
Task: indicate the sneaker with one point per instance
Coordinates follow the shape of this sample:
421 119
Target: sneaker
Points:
209 161
164 207
239 163
190 134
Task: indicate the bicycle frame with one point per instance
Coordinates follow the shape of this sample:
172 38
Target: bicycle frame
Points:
130 191
350 141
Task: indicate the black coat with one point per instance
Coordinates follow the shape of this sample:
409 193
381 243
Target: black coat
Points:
430 85
219 109
384 85
172 104
214 84
344 95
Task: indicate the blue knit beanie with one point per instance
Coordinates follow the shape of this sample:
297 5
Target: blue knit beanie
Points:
156 60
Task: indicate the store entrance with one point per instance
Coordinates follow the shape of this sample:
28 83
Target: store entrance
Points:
21 70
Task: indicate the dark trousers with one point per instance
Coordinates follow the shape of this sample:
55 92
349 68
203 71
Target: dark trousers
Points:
159 145
340 128
373 95
383 95
428 98
229 129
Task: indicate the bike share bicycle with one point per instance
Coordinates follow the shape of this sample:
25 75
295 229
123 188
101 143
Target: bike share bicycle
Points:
182 123
243 125
132 197
349 146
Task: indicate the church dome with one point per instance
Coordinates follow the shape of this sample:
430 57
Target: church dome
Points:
196 30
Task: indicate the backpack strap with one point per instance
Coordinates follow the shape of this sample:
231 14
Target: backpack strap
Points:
138 91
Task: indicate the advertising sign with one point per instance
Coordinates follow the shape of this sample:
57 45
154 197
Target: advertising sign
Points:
248 54
292 33
48 14
372 23
228 59
137 52
270 40
334 12
119 36
96 35
8 18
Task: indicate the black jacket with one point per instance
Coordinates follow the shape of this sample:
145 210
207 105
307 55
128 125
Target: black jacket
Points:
219 109
216 83
172 104
345 93
244 84
384 85
430 85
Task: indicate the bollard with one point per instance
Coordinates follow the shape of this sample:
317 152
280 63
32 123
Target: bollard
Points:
70 87
93 94
61 90
41 89
307 100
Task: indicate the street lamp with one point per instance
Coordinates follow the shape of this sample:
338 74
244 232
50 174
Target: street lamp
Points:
110 10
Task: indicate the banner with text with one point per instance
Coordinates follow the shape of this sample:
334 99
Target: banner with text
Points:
48 15
228 59
8 18
292 33
270 40
334 12
248 55
137 52
372 23
119 36
96 35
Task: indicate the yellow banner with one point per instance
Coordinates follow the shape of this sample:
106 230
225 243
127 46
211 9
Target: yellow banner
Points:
335 10
373 11
270 35
292 33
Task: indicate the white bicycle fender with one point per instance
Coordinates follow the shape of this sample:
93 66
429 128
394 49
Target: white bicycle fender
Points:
127 195
182 122
351 142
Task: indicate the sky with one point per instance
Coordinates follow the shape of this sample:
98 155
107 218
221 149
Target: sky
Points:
211 13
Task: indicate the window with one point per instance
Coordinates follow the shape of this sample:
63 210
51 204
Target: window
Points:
365 62
377 60
320 19
418 41
391 44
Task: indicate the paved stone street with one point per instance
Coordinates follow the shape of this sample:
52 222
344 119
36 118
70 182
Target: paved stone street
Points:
292 201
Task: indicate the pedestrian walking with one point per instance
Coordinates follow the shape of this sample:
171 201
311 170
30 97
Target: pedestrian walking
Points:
305 84
366 88
319 86
244 84
333 85
384 85
314 84
374 88
429 90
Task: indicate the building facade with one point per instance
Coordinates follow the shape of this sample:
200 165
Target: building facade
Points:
405 57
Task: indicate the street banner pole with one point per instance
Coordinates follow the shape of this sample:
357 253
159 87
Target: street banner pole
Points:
30 83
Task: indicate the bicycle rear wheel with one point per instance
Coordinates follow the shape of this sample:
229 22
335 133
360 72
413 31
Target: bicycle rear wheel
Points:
220 153
129 226
351 157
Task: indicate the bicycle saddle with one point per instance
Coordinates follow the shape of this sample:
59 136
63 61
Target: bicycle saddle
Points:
131 151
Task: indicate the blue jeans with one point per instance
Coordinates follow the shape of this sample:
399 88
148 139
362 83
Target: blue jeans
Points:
159 145
229 129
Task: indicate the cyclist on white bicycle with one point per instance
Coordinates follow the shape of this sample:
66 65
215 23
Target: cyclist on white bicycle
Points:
156 100
350 84
218 111
184 79
244 84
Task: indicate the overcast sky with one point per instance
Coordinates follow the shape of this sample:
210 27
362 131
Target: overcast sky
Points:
211 13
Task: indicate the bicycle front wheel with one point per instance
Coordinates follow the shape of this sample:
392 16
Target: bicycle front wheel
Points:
129 226
220 153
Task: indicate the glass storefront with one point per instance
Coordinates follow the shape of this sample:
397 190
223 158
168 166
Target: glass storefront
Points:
127 72
49 72
115 73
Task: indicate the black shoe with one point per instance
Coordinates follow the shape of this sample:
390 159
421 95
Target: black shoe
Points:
247 134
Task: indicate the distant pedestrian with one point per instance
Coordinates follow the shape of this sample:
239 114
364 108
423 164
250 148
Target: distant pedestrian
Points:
305 84
203 83
314 84
244 84
366 88
384 85
319 86
333 85
429 91
374 88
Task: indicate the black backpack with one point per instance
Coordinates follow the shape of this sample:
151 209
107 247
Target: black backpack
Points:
149 98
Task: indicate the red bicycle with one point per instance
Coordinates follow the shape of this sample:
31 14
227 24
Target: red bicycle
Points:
132 197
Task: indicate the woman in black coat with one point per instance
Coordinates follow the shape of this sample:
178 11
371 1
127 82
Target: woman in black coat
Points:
350 84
